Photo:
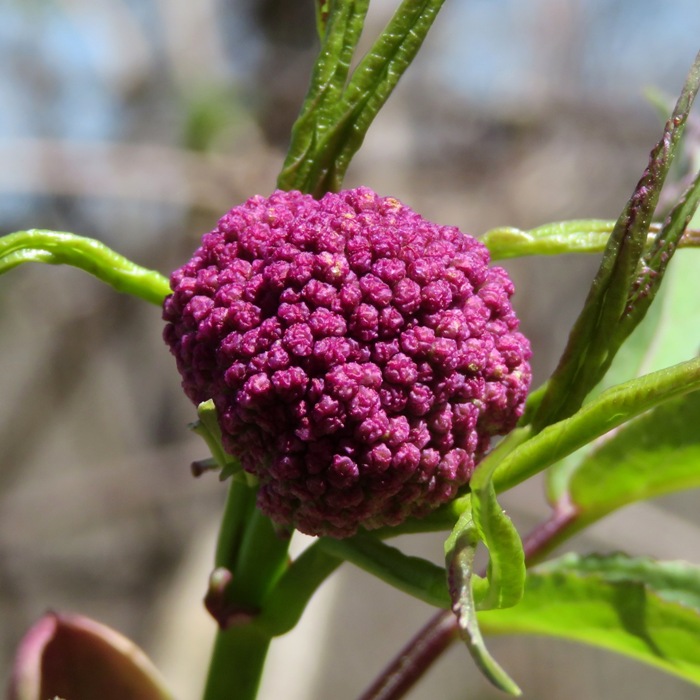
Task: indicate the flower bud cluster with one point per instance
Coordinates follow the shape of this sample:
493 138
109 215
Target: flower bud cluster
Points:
360 357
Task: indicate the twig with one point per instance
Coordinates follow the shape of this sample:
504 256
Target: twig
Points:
414 659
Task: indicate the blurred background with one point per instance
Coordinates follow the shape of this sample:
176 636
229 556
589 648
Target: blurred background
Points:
140 122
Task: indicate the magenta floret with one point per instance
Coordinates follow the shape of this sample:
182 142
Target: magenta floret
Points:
360 357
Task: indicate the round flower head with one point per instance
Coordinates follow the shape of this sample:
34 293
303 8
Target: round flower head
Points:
360 357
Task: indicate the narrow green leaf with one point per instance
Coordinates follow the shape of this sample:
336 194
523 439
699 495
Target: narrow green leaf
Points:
610 410
677 335
655 454
320 111
643 609
323 8
413 575
61 248
376 77
620 292
460 550
506 567
565 237
462 583
483 520
332 125
654 262
669 334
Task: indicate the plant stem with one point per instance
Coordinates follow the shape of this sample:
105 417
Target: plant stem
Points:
236 664
255 555
414 659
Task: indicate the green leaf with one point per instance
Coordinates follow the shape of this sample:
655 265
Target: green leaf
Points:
483 520
669 334
413 575
506 567
611 409
653 265
320 109
577 236
656 454
646 610
460 550
626 281
373 82
563 237
337 112
677 335
61 248
323 8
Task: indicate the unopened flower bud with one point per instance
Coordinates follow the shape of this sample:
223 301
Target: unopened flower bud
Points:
360 357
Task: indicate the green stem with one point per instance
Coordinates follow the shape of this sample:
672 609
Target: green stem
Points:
236 664
262 559
59 247
256 555
240 504
284 606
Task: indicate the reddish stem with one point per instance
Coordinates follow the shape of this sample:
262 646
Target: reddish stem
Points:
414 659
546 535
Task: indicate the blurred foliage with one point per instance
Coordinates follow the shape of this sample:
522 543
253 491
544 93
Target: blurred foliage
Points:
209 117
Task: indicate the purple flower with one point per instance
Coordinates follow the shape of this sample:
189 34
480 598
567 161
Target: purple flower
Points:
360 357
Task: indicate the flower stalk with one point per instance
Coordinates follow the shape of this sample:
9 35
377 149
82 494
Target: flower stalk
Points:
255 555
